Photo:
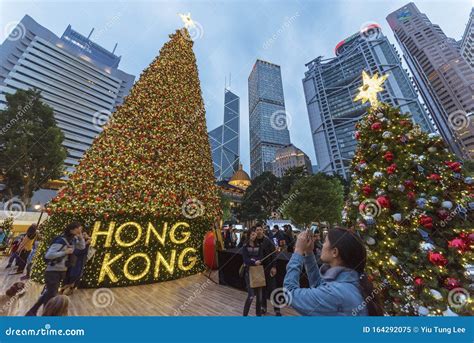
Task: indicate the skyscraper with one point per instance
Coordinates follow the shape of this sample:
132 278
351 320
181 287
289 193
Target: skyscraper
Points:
267 116
225 139
79 79
467 41
442 75
330 86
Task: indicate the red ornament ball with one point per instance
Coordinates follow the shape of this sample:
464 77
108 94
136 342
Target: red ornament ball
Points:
367 190
388 156
376 126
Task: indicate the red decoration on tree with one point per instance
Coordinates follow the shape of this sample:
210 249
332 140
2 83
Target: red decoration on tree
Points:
458 243
388 156
442 213
452 283
392 168
434 177
357 135
437 258
367 190
409 184
384 201
411 196
426 221
418 281
454 166
376 126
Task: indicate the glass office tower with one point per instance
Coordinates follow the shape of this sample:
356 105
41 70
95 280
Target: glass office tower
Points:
267 116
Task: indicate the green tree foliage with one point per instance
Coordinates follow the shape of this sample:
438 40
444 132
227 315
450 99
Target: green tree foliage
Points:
290 178
316 198
261 198
31 151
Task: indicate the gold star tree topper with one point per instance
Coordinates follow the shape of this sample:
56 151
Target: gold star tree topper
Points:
188 22
370 87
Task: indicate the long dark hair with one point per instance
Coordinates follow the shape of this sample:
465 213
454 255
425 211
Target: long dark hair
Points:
354 255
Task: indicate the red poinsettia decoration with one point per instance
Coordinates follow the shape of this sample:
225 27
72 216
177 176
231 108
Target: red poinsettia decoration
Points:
426 221
392 168
437 258
384 201
458 244
454 166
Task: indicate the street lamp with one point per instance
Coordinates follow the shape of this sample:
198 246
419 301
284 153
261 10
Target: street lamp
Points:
37 206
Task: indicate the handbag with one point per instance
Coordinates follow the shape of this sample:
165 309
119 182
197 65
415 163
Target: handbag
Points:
257 276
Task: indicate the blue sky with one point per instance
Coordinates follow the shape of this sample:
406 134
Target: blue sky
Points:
234 33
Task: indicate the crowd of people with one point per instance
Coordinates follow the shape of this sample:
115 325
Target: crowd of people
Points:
65 260
338 285
334 269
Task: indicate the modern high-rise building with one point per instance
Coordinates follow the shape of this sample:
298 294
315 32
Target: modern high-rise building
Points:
268 120
443 77
467 41
225 139
330 86
290 157
79 79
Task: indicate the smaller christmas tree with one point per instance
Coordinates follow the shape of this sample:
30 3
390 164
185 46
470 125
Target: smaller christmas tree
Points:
413 207
6 225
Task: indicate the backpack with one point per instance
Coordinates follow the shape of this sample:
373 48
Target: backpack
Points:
71 259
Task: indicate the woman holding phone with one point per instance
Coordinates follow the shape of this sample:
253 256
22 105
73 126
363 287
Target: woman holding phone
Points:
340 287
252 255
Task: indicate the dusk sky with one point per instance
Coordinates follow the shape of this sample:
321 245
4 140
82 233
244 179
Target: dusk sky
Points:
230 36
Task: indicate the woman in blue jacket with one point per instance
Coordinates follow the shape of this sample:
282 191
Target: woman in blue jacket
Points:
340 287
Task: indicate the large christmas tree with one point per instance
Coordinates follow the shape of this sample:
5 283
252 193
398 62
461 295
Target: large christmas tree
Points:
413 207
146 186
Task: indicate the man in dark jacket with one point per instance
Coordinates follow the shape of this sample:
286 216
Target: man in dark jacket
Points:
269 264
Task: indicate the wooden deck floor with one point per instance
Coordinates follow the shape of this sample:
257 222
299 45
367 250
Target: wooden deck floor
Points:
191 296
